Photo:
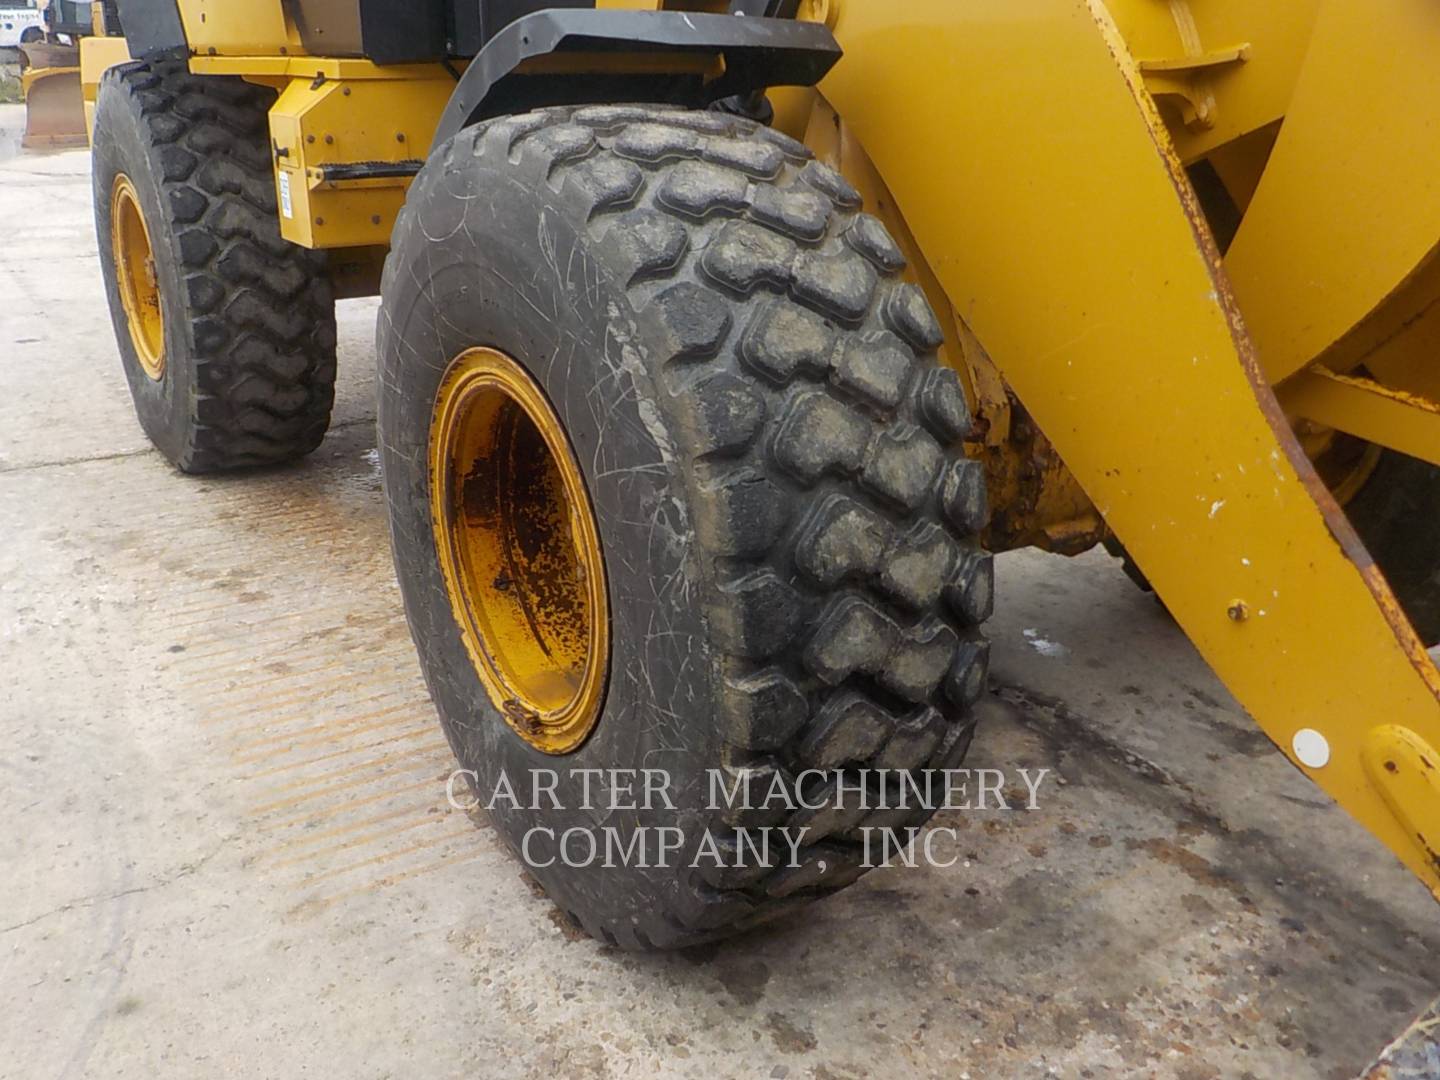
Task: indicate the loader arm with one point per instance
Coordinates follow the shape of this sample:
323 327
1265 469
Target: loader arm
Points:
1065 233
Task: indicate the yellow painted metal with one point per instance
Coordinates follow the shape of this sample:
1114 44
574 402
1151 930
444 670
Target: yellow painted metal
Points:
1406 770
1065 234
343 120
136 279
1365 408
1400 342
277 68
340 111
519 550
226 28
97 56
1185 81
1220 68
1349 204
1408 362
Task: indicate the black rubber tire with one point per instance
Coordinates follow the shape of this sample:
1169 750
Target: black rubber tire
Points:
31 34
249 318
772 456
1396 514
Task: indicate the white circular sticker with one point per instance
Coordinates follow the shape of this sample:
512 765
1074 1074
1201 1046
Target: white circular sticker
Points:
1311 748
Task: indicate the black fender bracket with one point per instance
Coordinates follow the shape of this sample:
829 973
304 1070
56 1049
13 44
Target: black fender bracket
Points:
583 56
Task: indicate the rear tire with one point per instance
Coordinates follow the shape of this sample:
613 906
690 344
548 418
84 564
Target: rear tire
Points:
771 454
240 367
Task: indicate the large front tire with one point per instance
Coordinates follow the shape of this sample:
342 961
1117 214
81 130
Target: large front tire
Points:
770 457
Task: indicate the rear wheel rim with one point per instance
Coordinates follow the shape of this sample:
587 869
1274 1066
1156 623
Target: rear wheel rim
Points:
135 275
519 550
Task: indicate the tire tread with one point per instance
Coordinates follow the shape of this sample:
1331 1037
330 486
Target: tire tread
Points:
260 310
819 441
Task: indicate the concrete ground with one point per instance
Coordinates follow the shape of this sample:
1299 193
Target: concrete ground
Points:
227 849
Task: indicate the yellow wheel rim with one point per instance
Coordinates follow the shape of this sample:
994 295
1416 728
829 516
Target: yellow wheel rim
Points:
519 550
135 274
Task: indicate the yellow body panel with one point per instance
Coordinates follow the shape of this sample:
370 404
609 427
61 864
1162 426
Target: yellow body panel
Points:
98 55
341 111
1349 204
1406 770
345 121
280 68
227 28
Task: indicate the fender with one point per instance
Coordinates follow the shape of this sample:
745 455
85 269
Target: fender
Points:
581 56
154 29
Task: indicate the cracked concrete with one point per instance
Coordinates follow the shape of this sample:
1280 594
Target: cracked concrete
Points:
86 901
228 849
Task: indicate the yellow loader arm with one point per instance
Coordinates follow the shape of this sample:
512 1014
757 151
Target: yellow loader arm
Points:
1061 226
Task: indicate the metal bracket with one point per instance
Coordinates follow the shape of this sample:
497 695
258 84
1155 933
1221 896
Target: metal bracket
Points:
1185 80
1365 408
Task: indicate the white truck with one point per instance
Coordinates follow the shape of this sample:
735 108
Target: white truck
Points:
21 22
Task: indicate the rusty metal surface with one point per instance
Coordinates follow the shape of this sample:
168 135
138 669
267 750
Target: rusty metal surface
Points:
45 54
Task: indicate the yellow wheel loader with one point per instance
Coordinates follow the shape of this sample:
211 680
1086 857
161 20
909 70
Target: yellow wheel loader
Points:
721 344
